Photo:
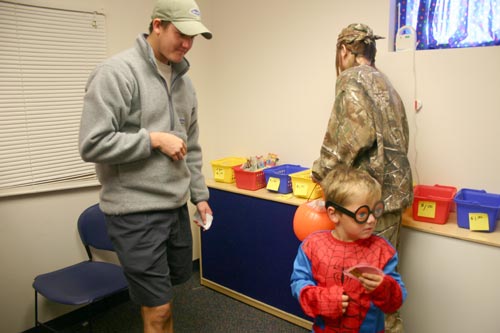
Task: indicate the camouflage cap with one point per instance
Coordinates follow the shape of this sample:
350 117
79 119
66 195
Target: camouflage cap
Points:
357 32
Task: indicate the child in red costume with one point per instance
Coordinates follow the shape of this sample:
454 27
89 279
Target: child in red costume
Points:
340 298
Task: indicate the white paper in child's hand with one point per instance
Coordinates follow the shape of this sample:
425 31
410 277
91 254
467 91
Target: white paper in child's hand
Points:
356 270
208 220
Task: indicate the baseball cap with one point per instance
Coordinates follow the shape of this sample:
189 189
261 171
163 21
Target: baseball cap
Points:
357 32
184 14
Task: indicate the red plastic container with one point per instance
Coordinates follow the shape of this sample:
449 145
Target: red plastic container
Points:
432 203
249 180
453 206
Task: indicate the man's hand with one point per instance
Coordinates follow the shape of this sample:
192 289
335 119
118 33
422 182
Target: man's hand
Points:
203 209
169 144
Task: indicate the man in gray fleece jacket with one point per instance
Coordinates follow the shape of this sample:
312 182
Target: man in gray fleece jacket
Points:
140 127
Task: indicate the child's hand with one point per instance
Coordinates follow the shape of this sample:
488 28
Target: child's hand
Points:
370 281
345 302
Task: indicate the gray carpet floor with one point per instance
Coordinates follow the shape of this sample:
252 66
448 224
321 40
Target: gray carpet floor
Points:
197 309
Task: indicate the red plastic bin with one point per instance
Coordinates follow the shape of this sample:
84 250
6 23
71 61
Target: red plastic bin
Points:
249 180
453 189
432 203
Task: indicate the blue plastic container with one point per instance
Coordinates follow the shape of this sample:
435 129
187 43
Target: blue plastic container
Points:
477 210
282 173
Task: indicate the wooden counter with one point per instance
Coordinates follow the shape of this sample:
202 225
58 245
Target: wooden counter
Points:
449 229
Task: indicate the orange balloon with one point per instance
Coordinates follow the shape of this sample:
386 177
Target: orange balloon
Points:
310 217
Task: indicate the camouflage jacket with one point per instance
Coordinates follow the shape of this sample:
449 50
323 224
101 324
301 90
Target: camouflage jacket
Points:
368 129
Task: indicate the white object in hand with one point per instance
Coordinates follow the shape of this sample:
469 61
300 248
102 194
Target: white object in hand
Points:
208 220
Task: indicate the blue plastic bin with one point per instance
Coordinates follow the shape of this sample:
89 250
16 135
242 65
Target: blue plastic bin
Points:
282 172
476 206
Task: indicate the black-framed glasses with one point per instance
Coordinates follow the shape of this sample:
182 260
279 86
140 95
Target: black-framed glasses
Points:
361 214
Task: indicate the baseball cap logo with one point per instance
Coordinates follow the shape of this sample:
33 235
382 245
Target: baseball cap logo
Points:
195 12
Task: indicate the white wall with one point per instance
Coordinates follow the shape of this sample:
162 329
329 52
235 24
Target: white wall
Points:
452 285
266 84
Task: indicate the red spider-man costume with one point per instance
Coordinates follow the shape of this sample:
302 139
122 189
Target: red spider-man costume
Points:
318 282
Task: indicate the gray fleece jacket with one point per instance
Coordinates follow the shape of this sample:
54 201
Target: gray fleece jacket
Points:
126 98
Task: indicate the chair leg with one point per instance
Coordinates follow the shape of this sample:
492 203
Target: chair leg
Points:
36 309
37 322
89 316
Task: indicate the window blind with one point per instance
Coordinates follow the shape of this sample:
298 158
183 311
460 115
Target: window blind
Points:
46 56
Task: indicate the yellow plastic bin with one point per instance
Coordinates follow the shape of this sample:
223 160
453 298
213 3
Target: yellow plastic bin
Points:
303 185
223 168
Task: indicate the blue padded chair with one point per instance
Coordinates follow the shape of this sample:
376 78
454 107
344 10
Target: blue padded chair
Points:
88 281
